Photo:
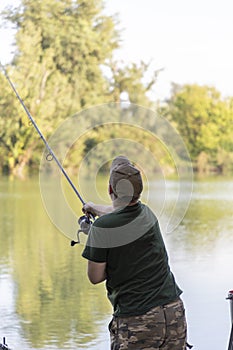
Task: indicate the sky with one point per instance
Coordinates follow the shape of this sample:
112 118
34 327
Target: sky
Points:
191 40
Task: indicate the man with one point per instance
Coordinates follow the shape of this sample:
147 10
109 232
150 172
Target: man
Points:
125 248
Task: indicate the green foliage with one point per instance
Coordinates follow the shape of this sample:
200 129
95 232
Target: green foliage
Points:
63 49
64 63
140 143
129 78
15 132
205 121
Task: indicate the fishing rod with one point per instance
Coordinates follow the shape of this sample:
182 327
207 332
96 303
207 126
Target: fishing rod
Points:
84 221
230 297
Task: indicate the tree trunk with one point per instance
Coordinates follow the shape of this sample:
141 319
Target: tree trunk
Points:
19 169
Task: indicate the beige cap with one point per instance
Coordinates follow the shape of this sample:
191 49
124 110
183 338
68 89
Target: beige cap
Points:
125 179
119 160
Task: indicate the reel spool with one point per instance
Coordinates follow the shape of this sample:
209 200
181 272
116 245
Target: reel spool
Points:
85 225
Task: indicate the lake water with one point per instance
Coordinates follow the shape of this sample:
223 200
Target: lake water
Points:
47 302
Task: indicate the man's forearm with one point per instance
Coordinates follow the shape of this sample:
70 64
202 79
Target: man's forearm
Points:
97 209
102 209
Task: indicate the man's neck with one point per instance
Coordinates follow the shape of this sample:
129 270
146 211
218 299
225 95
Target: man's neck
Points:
118 205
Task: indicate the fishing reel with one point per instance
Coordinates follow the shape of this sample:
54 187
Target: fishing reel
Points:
4 346
85 223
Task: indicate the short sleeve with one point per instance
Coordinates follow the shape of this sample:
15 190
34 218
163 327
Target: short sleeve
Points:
94 251
95 254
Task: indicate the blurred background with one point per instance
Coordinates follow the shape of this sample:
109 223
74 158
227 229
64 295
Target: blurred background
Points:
174 61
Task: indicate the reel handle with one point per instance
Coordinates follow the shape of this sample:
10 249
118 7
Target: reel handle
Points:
85 223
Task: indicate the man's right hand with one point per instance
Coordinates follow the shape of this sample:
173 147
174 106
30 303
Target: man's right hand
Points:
89 208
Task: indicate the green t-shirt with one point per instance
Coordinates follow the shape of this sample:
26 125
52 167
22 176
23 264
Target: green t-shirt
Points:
138 275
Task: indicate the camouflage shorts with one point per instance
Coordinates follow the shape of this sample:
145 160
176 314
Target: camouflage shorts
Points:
163 327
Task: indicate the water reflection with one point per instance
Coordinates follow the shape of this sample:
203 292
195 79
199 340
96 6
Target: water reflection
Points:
208 222
53 302
46 301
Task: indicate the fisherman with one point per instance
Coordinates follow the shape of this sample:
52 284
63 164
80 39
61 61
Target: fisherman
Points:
125 247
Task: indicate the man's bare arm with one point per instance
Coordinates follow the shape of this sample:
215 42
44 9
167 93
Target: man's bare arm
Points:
96 272
97 209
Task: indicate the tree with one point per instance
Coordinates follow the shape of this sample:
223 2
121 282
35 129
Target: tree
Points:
204 120
62 49
14 131
129 78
